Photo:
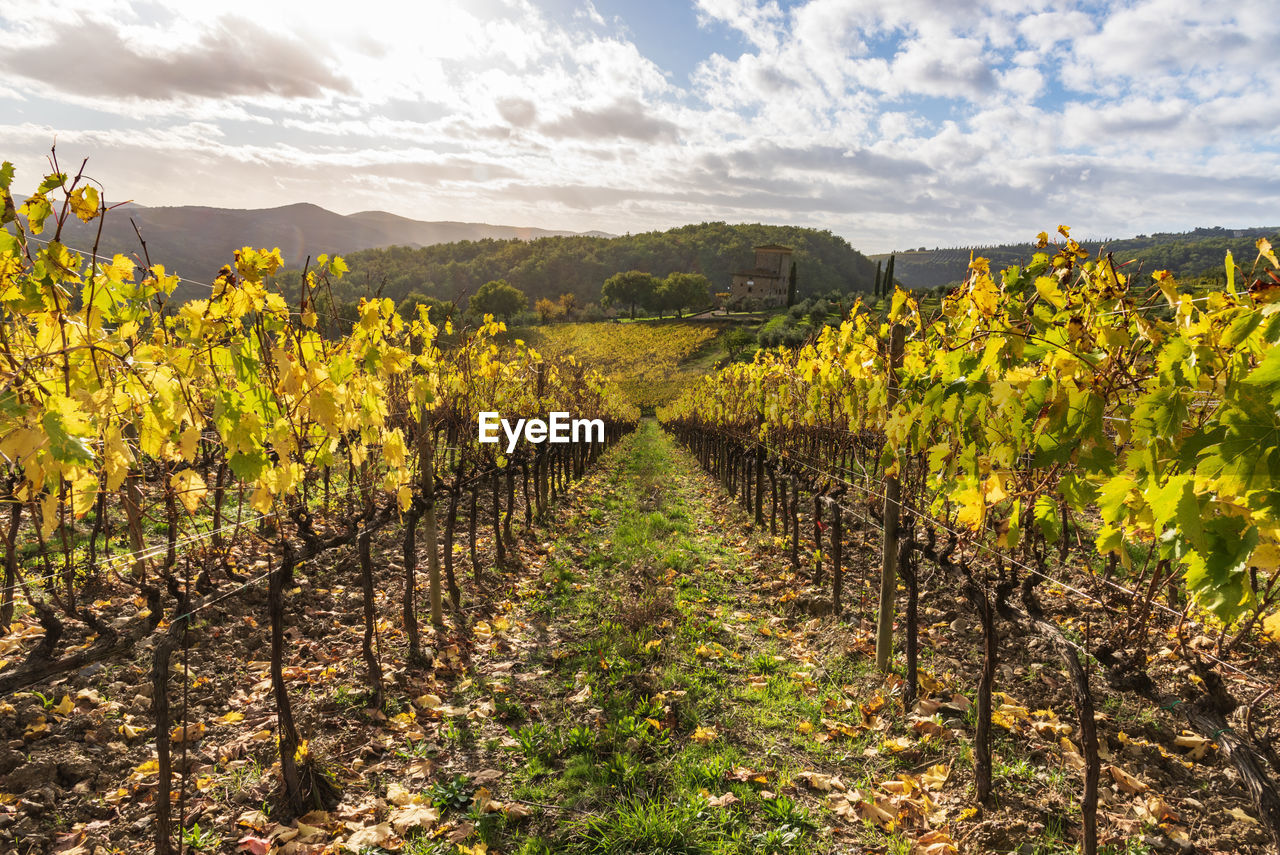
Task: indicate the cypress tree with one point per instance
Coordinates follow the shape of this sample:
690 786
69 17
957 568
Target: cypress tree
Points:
875 289
791 286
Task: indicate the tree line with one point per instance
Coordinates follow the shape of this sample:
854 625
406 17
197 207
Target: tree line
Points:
628 292
1195 254
549 268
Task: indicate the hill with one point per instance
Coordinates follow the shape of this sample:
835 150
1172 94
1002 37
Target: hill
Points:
579 264
1197 253
195 241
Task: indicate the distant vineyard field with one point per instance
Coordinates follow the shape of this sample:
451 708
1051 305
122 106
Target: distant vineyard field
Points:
651 362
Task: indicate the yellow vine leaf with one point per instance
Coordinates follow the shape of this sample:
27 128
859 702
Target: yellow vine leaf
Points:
189 488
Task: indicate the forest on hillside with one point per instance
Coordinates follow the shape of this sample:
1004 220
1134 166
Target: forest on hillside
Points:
1198 253
579 265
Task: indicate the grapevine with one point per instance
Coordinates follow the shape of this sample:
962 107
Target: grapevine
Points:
112 397
1065 405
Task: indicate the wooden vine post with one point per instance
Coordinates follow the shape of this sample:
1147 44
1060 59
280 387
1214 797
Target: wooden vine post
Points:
837 555
892 500
907 563
160 711
433 557
287 732
759 502
364 547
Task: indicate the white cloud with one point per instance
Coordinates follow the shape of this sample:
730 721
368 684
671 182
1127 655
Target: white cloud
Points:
1171 45
1021 83
591 13
1044 30
894 122
949 67
759 22
228 59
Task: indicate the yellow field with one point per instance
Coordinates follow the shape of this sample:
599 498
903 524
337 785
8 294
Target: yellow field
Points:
651 362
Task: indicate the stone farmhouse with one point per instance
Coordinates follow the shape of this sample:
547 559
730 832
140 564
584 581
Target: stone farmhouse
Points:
765 285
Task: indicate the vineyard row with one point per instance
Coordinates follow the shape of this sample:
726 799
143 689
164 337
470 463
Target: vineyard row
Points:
1055 422
120 410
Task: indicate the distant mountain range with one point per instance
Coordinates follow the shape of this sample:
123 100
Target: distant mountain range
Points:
196 241
1192 254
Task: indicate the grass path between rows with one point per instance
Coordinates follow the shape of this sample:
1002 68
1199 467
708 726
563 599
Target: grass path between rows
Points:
651 694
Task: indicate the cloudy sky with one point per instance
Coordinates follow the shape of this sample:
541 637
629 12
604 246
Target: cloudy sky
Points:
894 123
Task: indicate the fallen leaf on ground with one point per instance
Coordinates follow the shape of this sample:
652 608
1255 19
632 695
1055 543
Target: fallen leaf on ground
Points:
255 819
1071 756
370 835
419 768
310 833
1125 781
1198 745
254 845
868 808
461 833
413 816
190 733
1237 813
484 802
822 782
927 707
936 842
1154 810
935 776
428 702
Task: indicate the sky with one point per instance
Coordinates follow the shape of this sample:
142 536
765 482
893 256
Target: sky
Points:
893 123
